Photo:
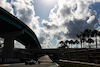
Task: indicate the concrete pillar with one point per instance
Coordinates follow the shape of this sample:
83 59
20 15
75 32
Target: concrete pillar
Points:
8 48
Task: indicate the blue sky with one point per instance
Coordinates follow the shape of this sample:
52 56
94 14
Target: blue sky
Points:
55 20
42 10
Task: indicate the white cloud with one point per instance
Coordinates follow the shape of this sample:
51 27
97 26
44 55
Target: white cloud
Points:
25 11
6 5
67 18
93 1
82 11
44 38
90 19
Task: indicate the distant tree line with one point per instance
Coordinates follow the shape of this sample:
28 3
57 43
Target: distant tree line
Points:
86 36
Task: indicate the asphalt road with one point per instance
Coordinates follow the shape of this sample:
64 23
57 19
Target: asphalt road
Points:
34 65
45 62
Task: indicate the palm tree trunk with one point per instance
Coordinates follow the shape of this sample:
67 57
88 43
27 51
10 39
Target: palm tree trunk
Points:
81 42
71 45
88 45
81 45
76 45
96 42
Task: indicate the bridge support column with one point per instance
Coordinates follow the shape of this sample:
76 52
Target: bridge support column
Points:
8 48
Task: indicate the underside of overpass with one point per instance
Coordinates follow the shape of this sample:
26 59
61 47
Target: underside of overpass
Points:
12 29
52 53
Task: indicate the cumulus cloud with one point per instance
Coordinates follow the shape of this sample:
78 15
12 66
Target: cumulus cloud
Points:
44 38
77 26
6 5
67 19
25 11
90 19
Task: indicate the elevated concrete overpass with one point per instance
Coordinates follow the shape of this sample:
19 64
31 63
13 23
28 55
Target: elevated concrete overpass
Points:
52 53
37 53
12 29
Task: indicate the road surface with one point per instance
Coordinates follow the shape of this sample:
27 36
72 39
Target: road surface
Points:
34 65
45 62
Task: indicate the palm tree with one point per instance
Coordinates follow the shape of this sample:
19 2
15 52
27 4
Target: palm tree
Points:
90 41
66 42
83 40
87 32
99 36
63 44
95 33
71 42
86 35
77 42
80 36
83 34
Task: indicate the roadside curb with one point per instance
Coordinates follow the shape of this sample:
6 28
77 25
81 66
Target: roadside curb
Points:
4 65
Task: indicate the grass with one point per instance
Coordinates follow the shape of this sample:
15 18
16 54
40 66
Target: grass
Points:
70 64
